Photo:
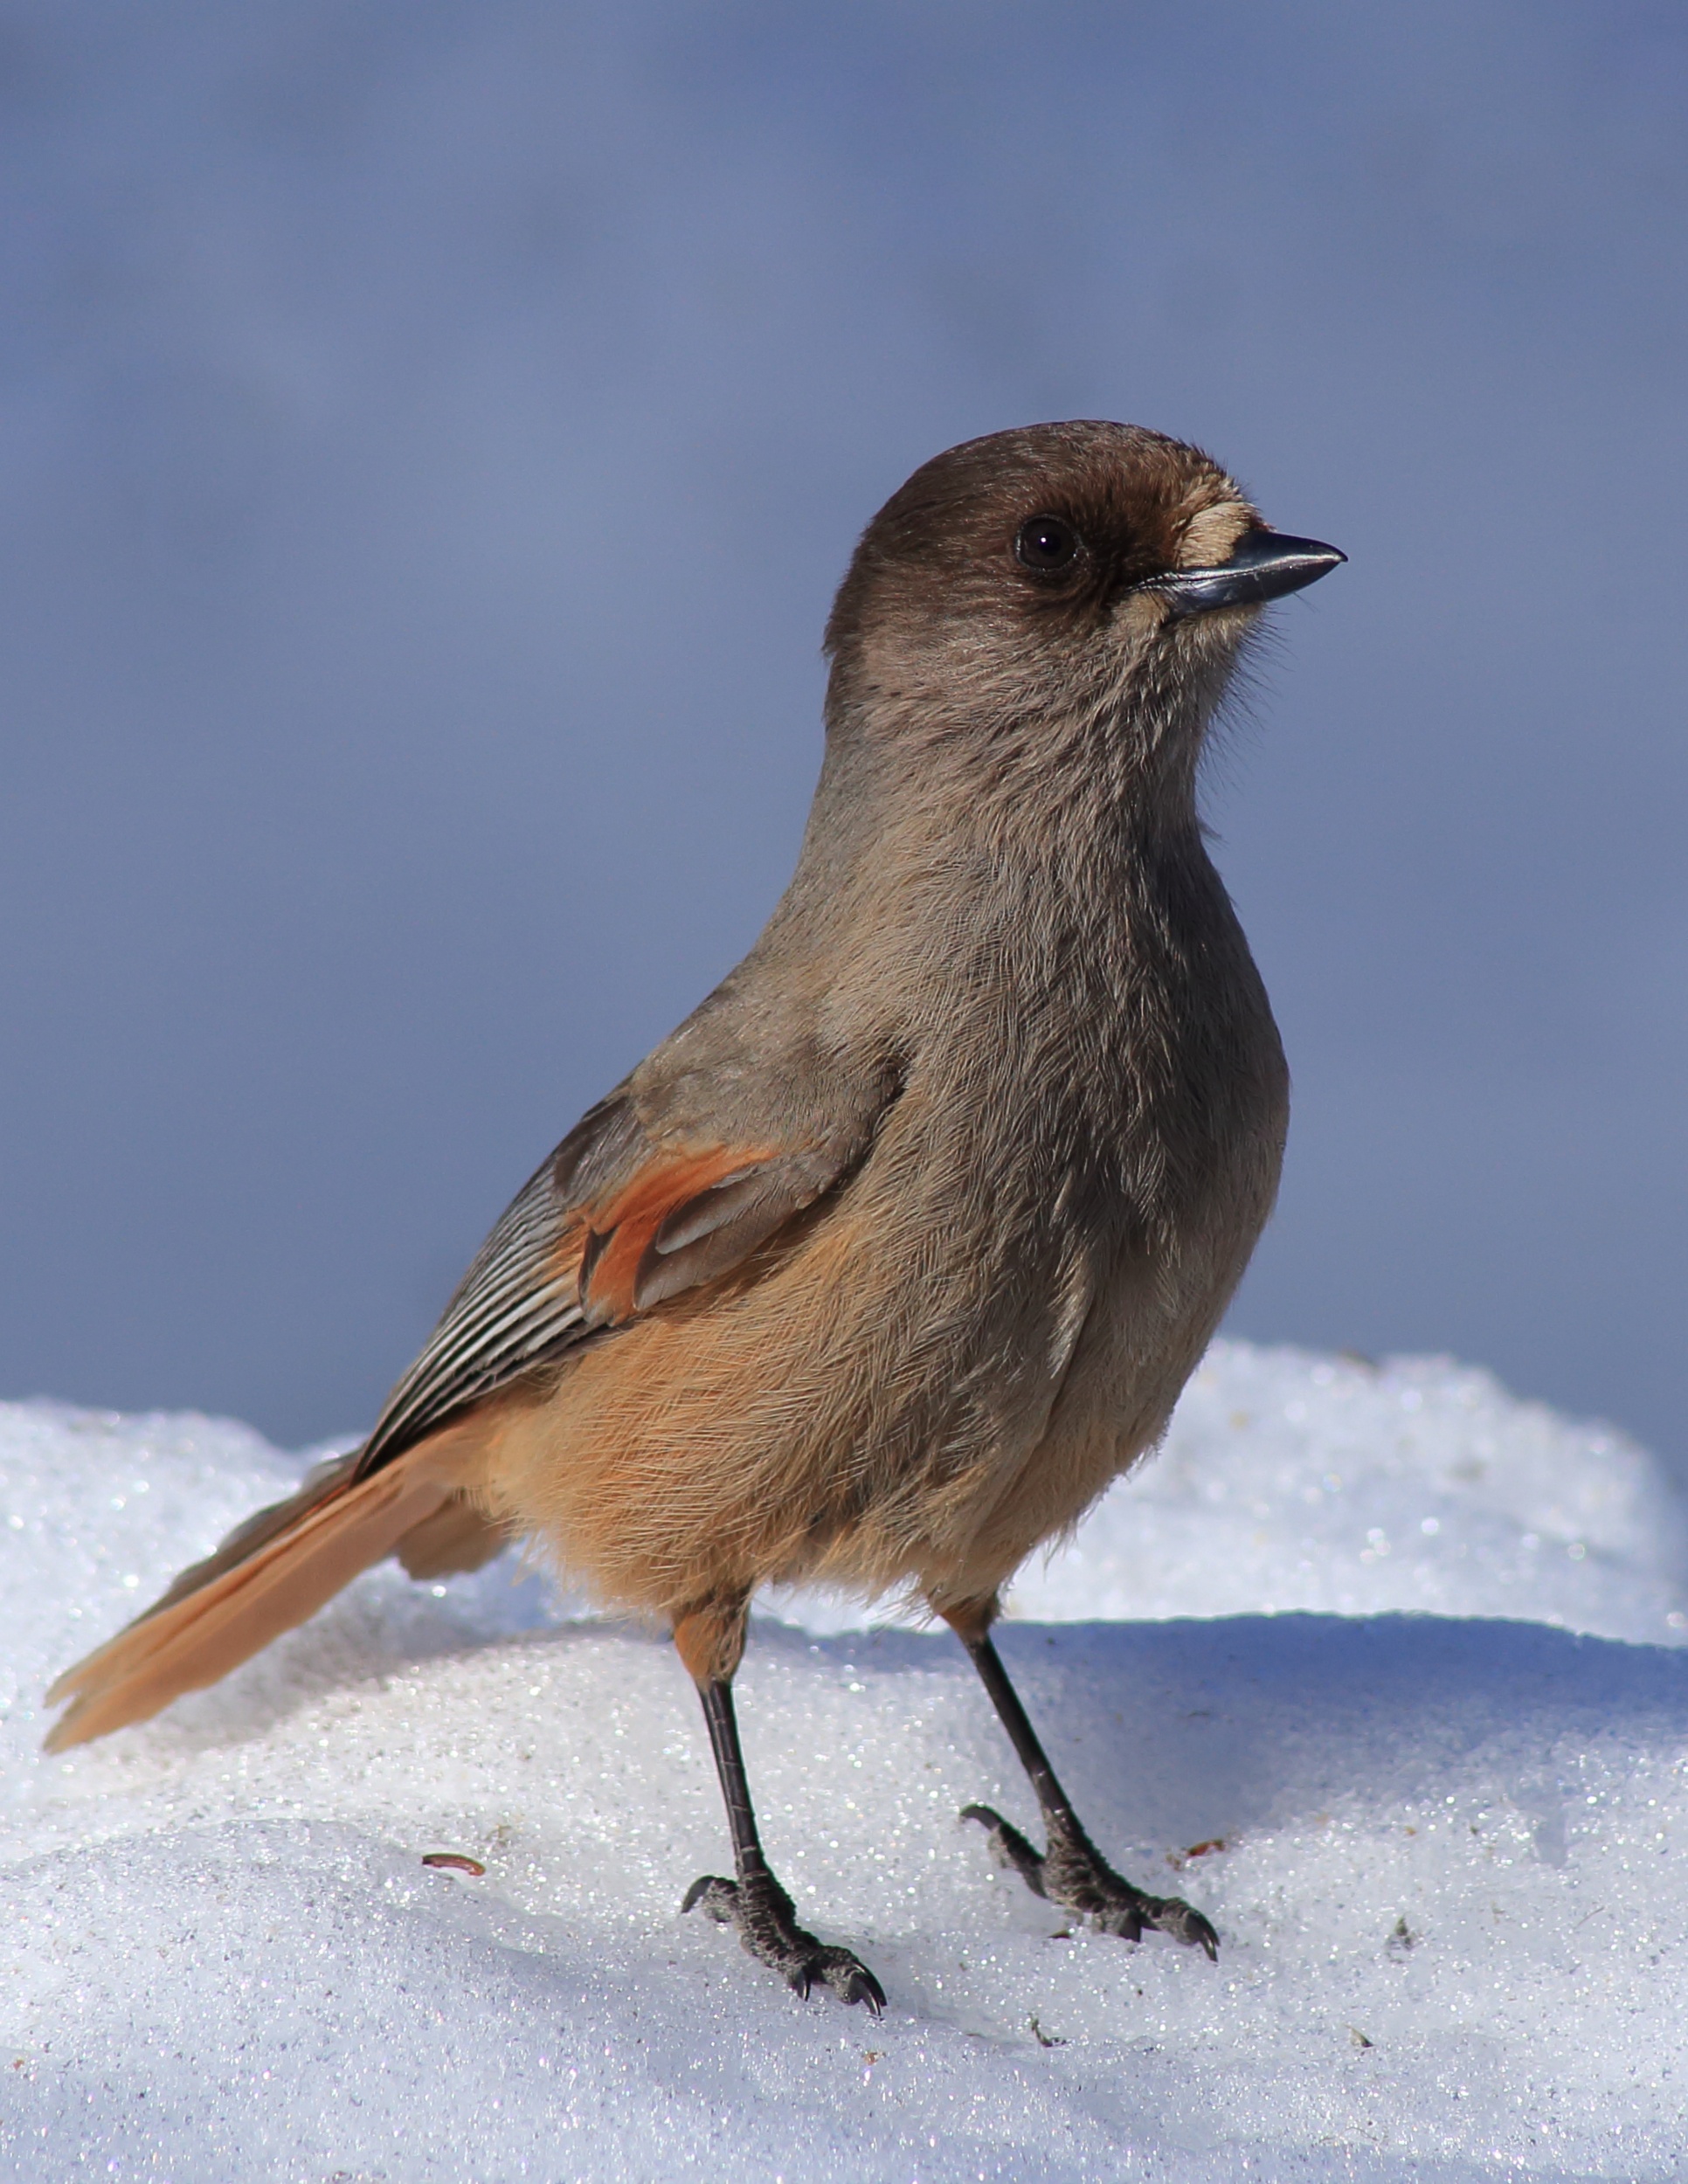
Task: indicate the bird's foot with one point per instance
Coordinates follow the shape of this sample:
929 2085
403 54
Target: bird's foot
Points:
767 1926
1073 1874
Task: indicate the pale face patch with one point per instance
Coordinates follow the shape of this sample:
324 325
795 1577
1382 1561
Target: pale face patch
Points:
1211 533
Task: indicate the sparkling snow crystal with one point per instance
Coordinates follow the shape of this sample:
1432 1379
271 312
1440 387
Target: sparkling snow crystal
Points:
1447 1852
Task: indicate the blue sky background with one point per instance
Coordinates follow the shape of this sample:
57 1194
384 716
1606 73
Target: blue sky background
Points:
430 434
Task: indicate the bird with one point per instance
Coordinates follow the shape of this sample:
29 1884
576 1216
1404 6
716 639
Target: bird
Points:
897 1251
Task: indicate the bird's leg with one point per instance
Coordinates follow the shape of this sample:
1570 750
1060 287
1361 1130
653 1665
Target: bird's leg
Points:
755 1902
1072 1872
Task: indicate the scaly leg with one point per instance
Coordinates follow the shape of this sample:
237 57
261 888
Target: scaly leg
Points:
755 1902
1072 1872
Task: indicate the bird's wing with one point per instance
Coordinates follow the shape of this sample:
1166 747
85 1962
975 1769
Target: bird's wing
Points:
614 1224
609 1226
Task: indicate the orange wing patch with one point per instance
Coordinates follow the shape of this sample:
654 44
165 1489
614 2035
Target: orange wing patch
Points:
608 1247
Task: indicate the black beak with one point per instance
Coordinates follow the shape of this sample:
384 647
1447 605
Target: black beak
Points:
1263 565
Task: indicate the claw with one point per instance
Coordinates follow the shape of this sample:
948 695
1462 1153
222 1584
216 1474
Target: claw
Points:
714 1895
1073 1874
864 1988
1009 1847
769 1931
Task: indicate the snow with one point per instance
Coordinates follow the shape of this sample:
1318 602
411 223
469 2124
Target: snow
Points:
1446 1863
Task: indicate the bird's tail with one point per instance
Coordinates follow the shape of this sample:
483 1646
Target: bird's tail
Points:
273 1572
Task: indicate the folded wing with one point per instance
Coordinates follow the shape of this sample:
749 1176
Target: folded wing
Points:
610 1227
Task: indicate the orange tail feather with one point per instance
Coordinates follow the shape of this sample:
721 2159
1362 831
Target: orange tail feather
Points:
277 1570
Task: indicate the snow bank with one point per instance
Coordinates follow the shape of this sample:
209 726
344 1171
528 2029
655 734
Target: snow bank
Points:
1344 1487
1448 1854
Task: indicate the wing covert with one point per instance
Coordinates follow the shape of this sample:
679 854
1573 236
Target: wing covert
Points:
609 1227
519 1303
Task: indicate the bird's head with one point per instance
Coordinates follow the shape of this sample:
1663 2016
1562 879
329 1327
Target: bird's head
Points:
1063 585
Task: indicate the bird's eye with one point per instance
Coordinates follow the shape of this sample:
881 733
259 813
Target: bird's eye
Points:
1046 545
